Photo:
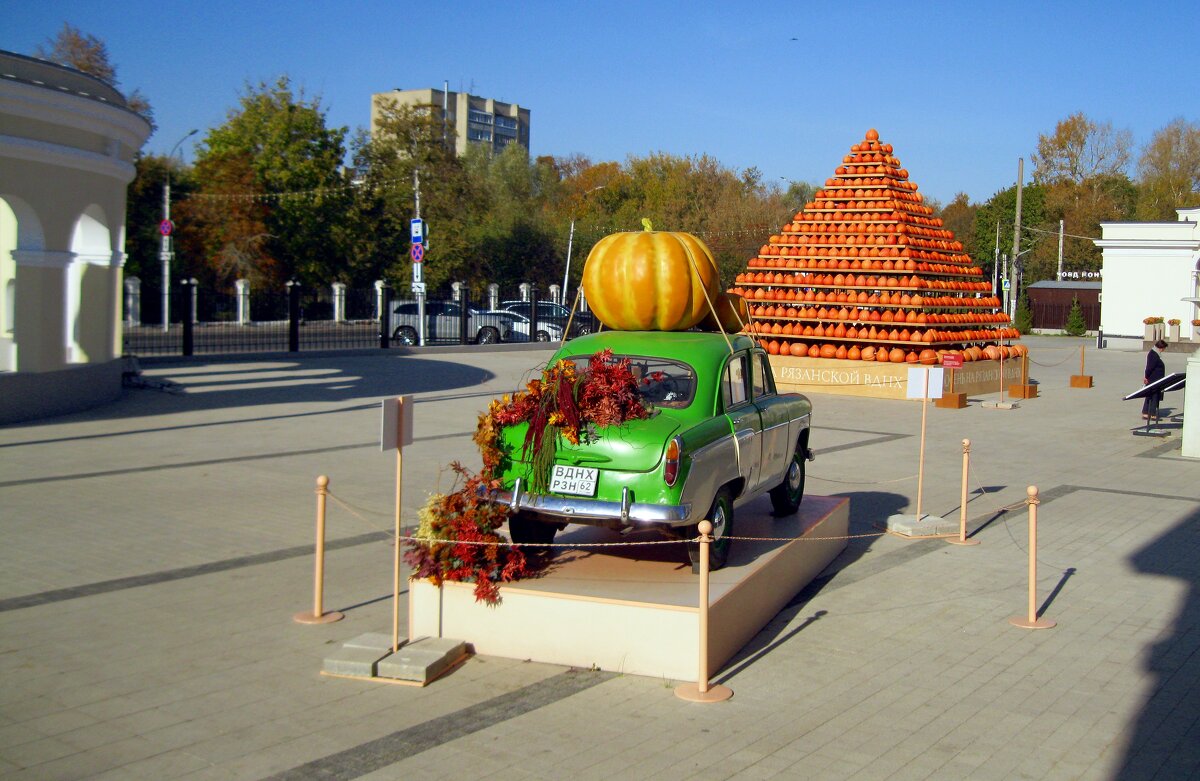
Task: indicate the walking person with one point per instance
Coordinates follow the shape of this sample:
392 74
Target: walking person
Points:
1155 370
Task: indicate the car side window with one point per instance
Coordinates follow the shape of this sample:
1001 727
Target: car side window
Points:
734 389
763 382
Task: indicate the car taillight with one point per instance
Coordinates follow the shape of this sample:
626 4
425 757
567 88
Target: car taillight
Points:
671 467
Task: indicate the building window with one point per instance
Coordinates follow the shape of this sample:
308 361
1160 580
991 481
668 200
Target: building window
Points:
508 123
482 117
475 134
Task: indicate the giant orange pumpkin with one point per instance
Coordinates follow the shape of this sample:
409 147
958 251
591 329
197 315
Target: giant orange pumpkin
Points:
650 281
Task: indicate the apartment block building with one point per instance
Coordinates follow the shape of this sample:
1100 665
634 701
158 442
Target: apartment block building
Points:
468 119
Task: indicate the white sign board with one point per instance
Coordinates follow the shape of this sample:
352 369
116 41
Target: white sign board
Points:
916 383
418 272
418 231
396 429
418 287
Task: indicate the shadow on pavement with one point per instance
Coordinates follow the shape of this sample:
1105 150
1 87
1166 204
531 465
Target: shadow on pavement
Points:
1165 741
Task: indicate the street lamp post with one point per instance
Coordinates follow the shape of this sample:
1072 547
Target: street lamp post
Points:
570 241
165 254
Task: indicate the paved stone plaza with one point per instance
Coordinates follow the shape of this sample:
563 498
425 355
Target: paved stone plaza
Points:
155 550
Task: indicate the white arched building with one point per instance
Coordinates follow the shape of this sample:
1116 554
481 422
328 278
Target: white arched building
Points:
67 145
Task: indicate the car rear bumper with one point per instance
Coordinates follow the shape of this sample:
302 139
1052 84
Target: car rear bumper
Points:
579 509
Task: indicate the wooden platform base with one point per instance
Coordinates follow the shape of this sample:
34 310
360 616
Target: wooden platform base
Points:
633 609
1019 391
1081 380
952 400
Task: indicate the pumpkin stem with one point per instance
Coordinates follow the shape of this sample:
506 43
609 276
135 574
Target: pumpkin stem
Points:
646 226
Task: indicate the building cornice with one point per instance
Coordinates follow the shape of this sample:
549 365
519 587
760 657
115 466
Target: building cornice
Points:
67 157
72 111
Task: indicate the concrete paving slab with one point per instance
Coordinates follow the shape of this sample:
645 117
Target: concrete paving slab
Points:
422 660
155 550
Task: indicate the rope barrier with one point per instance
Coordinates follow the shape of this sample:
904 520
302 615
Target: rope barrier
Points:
861 482
1050 365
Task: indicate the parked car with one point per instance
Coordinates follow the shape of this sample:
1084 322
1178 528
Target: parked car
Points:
719 433
443 321
546 332
555 314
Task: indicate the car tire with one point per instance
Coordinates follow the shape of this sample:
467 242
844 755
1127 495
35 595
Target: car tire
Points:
531 533
542 336
786 497
405 335
720 515
487 335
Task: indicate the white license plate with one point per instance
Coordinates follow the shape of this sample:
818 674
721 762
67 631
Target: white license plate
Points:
575 480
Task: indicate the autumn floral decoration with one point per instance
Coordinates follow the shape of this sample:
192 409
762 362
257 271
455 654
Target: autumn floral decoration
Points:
563 404
457 538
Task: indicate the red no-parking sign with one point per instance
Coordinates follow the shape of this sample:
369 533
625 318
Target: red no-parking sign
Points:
166 227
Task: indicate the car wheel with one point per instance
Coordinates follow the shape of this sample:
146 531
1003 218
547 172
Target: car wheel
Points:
531 533
542 336
487 335
785 497
405 335
720 515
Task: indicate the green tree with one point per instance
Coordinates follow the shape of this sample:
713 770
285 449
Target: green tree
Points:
89 54
959 216
1023 321
1076 325
407 143
144 211
995 217
1169 171
269 186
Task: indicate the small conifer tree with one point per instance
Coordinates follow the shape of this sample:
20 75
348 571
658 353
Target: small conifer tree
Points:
1076 325
1023 320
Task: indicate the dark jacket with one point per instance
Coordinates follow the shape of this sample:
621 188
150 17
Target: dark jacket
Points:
1155 369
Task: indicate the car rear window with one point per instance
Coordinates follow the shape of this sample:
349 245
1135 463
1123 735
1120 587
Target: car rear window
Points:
663 383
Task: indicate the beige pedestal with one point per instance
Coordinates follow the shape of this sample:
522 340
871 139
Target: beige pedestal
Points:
633 609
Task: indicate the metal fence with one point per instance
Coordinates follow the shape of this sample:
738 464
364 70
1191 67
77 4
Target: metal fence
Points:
335 317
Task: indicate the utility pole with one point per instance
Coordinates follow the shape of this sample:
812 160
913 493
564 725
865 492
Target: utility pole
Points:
166 229
1016 248
1060 242
420 295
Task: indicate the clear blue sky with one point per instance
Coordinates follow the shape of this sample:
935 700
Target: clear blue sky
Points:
960 89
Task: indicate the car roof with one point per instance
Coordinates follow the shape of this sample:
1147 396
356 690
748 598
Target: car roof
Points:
701 349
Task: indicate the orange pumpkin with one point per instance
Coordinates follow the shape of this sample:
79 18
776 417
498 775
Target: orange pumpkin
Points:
896 355
868 353
650 280
928 357
828 351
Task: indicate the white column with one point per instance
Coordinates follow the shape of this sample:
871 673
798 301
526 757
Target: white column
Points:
339 302
133 302
378 300
243 301
1191 408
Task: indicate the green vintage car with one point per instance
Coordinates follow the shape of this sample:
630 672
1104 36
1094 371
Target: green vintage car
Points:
719 433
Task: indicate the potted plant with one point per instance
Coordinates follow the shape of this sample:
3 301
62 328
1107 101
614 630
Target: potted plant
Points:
1173 329
1154 328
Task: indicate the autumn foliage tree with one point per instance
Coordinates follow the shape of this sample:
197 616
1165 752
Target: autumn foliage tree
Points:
89 54
1169 171
270 187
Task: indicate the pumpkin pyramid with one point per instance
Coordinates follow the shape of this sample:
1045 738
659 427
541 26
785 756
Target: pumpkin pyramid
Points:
866 272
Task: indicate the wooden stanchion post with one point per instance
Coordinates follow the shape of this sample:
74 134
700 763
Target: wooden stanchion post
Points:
1081 380
701 691
1030 620
318 616
962 512
921 457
